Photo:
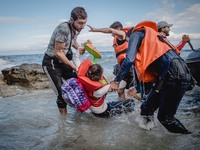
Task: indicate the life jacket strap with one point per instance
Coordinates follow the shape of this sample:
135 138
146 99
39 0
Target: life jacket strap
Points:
121 52
164 41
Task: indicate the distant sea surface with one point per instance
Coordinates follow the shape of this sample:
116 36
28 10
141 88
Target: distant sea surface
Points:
8 61
108 59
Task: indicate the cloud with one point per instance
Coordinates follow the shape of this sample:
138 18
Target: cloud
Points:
128 24
45 36
176 36
32 48
14 19
101 41
62 20
187 18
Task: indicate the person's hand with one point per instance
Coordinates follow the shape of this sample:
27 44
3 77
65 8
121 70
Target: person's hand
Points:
110 89
81 50
88 42
186 38
114 86
75 68
92 29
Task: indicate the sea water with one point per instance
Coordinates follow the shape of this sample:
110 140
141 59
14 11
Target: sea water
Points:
32 121
108 59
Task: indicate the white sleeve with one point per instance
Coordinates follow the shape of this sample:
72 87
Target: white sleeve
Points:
122 84
102 91
75 58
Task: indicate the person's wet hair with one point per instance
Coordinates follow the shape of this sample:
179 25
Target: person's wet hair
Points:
94 72
78 13
116 25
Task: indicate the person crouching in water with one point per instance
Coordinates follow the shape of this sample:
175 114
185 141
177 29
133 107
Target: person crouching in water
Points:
91 77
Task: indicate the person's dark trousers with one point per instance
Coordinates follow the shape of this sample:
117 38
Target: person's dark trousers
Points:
151 104
167 100
57 71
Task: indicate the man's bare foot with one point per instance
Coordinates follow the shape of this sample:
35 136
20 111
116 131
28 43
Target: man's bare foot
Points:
121 94
63 111
137 96
132 93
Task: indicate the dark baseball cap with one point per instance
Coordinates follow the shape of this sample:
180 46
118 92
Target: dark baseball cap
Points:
162 24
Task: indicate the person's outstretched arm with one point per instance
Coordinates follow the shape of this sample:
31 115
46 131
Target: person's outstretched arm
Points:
119 33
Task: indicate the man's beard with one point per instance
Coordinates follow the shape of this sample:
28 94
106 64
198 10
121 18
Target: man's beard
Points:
73 26
167 33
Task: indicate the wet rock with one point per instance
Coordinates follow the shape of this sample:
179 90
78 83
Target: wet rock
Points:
26 75
7 91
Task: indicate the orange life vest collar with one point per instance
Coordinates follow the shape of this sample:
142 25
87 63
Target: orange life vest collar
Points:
120 50
146 23
87 83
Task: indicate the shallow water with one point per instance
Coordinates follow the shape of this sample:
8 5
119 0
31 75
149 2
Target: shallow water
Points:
32 122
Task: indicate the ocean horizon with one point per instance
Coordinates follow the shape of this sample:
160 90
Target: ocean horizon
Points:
108 59
7 61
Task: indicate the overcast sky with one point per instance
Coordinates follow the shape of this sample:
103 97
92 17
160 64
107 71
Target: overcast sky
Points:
26 25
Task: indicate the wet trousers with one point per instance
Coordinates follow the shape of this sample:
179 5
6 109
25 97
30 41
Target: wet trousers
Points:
167 100
57 71
117 107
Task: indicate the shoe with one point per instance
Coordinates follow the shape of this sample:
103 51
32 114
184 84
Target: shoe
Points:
115 103
129 105
115 112
147 122
175 126
119 107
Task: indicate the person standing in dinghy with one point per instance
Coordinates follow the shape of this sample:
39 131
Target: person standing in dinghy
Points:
164 28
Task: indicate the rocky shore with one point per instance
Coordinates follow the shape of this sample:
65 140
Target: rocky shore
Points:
21 79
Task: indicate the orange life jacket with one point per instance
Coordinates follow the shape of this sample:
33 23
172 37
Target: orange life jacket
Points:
89 85
120 50
151 49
